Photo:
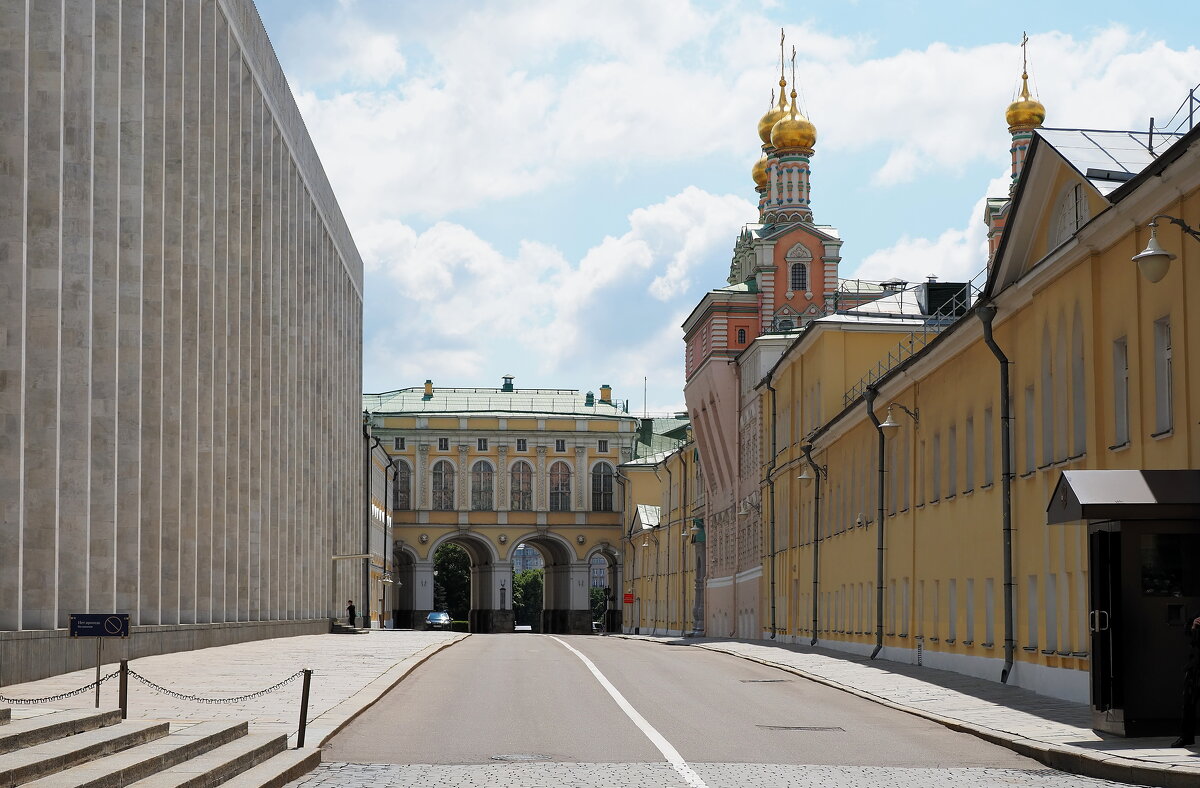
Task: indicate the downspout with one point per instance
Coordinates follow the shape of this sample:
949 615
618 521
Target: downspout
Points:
771 496
374 444
986 314
817 473
670 495
869 396
683 530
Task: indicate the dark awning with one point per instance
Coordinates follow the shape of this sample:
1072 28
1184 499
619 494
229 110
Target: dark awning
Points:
1125 495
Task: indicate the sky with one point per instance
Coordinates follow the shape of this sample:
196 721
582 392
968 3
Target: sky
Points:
546 188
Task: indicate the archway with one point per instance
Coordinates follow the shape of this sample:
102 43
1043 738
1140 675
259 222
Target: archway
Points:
565 599
605 559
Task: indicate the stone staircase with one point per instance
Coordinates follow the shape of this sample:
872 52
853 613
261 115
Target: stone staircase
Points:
338 628
75 748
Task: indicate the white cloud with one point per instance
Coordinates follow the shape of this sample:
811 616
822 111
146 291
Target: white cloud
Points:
476 305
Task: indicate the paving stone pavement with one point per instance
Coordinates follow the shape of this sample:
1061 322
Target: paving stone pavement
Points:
1055 732
349 673
661 775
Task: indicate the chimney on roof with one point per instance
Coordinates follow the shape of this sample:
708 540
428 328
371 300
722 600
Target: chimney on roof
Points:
428 391
589 400
605 394
508 386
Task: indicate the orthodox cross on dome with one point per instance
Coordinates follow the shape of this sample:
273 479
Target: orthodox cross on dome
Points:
1024 58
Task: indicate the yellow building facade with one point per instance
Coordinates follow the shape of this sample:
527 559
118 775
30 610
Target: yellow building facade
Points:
1099 376
663 593
490 469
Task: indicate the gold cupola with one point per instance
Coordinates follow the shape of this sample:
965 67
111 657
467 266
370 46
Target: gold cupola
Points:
774 114
794 130
1025 113
759 172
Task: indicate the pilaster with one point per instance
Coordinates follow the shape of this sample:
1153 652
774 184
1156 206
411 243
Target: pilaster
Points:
540 481
462 492
501 486
420 482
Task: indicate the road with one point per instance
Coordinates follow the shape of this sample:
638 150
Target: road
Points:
560 711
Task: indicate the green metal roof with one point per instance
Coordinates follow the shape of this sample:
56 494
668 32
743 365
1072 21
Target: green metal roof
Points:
528 402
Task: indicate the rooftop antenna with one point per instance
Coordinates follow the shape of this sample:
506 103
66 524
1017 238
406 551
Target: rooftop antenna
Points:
645 385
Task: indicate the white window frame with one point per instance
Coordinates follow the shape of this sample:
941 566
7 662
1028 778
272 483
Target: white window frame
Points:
602 446
481 444
522 444
560 444
483 486
1120 378
397 444
443 444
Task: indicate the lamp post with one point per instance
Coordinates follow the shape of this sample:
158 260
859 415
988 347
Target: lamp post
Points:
819 472
1154 261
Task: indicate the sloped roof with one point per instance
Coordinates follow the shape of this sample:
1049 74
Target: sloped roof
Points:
649 516
548 402
1108 158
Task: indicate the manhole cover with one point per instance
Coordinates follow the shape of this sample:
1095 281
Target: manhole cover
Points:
764 681
521 756
800 728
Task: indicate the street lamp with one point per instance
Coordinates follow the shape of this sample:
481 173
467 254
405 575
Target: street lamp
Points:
890 425
1154 261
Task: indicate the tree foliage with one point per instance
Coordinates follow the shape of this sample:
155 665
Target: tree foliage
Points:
599 603
452 581
527 598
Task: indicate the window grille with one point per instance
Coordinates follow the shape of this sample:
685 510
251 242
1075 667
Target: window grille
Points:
602 488
560 487
481 486
402 487
521 487
443 485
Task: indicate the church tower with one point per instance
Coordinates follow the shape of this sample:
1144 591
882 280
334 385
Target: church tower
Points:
1023 115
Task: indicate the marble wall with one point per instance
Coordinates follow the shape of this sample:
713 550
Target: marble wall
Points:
180 325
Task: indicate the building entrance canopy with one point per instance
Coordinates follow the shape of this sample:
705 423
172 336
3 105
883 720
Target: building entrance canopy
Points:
1125 495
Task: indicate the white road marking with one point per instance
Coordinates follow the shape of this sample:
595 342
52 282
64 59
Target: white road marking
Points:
657 739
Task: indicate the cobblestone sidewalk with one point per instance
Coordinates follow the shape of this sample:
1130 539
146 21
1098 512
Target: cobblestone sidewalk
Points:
350 672
1058 733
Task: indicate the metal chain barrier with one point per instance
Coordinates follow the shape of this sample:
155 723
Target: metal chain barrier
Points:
197 699
64 695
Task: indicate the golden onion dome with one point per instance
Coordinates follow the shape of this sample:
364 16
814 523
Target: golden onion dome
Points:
774 115
794 131
1025 112
759 173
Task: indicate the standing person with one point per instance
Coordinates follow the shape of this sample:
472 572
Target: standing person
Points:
1191 688
350 612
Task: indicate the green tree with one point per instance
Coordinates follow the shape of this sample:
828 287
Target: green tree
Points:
452 581
527 598
599 603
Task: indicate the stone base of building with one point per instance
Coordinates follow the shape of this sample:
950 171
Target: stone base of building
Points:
32 654
567 622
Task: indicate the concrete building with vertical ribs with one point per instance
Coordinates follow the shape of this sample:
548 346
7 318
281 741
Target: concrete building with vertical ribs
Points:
180 337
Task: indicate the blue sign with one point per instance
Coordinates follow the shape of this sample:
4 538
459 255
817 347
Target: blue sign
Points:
99 625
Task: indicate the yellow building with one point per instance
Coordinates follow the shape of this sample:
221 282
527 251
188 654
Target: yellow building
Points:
490 469
663 593
902 526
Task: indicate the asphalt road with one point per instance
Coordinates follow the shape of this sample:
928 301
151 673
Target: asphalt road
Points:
527 699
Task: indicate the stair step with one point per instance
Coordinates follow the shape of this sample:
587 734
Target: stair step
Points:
19 734
216 766
49 757
137 763
278 771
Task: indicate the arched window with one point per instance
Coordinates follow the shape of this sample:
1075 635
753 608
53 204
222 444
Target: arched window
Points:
1070 214
481 486
443 486
560 487
799 277
602 487
741 336
402 487
521 487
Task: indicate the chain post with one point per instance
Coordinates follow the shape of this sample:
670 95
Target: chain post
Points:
123 689
303 708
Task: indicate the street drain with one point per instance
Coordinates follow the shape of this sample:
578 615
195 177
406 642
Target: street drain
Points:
764 681
799 728
521 756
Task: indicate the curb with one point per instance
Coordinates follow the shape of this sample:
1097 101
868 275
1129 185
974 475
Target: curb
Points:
1056 756
401 672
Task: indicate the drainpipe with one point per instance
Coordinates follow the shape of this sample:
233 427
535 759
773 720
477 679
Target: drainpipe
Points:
869 396
670 496
986 314
771 496
817 472
366 545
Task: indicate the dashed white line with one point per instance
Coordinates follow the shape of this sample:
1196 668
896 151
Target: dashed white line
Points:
657 739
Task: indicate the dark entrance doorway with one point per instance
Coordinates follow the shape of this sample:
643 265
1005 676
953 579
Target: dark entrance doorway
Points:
1144 590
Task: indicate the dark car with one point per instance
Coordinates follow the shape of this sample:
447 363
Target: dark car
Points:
436 620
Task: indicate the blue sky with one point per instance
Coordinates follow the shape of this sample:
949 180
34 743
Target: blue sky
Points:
546 189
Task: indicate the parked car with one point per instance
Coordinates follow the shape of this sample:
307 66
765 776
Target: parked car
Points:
437 620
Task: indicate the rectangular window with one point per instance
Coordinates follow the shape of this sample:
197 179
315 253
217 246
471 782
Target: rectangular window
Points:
951 461
602 446
522 444
1030 434
935 470
560 444
1120 352
481 444
1031 612
952 609
398 444
969 609
443 444
1162 376
920 485
969 456
989 447
1051 611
